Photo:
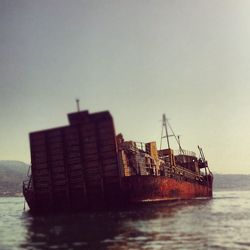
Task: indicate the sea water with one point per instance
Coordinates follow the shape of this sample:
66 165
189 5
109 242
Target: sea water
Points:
219 223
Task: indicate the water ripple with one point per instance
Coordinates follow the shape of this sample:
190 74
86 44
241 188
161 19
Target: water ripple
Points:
220 223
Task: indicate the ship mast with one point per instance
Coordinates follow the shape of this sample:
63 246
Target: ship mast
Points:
165 126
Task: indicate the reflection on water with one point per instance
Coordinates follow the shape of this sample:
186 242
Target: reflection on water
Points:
220 223
148 227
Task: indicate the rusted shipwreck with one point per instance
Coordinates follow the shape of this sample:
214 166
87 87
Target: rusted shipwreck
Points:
86 166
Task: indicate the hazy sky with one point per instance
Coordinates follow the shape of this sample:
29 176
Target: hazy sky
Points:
136 58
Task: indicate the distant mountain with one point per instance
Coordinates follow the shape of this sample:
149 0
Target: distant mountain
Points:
231 181
12 174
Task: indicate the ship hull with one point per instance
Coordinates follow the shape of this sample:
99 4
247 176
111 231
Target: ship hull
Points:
133 190
150 188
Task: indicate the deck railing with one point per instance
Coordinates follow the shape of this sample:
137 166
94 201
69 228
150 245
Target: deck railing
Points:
27 184
184 152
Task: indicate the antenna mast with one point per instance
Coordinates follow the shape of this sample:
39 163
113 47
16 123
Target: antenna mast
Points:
78 105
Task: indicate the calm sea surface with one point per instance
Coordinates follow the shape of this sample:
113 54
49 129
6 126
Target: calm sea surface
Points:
219 223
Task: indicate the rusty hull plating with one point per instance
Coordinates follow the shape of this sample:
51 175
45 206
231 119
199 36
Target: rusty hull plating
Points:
85 166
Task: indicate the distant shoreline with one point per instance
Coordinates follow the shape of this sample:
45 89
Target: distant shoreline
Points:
12 195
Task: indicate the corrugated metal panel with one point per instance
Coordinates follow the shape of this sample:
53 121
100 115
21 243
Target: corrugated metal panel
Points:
76 163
